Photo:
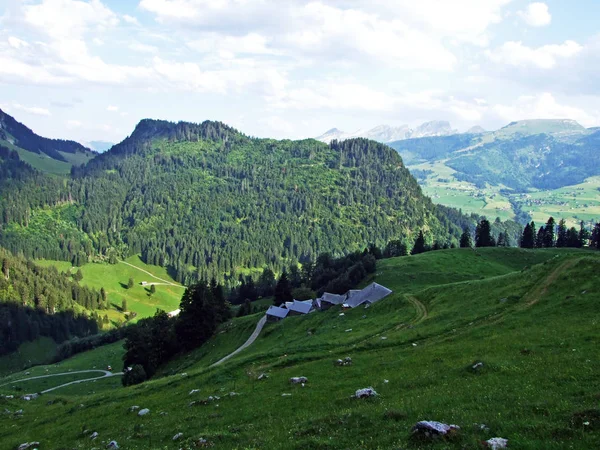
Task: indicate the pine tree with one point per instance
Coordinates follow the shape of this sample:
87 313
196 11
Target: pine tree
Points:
549 233
124 305
78 276
501 239
419 246
483 236
595 240
283 290
528 238
465 239
152 289
130 283
561 234
103 295
573 238
6 268
540 238
197 319
583 235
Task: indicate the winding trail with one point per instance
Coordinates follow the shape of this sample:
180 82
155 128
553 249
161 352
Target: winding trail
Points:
106 373
419 306
540 290
250 341
166 282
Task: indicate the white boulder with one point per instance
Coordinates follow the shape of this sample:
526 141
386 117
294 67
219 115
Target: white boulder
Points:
143 412
366 392
497 443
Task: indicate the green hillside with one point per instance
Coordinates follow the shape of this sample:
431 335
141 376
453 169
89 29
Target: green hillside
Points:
53 156
206 201
533 326
529 170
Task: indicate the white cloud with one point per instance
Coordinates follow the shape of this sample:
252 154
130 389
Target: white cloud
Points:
112 108
17 43
545 57
130 19
252 43
143 48
536 14
35 110
97 41
543 106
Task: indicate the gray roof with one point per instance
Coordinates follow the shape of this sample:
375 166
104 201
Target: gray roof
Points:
371 294
334 299
301 307
276 311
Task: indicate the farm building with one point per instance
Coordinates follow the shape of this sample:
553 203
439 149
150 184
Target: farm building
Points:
297 307
328 300
371 294
276 313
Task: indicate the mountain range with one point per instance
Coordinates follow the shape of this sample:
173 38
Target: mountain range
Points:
386 133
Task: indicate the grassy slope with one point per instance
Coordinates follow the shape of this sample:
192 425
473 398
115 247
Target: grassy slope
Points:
534 327
36 352
114 279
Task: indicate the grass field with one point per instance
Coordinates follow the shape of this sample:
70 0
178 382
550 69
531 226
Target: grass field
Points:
114 277
573 203
40 351
533 326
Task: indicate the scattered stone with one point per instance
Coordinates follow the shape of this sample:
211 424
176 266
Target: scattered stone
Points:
298 380
191 403
233 394
143 412
193 391
112 444
94 435
477 365
133 408
414 344
29 397
286 395
27 445
366 392
497 443
364 316
9 397
349 329
386 381
343 362
7 411
184 374
162 413
482 427
263 376
342 314
19 412
177 436
430 429
503 300
383 338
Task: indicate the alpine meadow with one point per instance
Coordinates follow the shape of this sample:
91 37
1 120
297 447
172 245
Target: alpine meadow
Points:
182 266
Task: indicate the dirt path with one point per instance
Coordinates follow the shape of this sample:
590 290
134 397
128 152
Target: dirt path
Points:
419 306
106 373
251 339
165 282
540 290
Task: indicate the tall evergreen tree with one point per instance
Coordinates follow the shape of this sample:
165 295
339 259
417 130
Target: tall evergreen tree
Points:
549 233
130 283
197 319
528 238
6 268
419 246
561 234
540 238
283 290
573 238
483 235
465 238
583 235
595 240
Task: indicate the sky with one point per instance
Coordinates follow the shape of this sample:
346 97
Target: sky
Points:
91 70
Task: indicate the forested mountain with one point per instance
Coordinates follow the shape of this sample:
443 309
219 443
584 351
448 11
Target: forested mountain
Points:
206 200
42 153
543 154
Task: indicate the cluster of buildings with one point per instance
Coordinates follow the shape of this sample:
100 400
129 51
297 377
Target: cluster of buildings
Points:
351 299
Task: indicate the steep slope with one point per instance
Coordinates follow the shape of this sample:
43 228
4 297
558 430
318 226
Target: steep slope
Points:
539 365
205 200
48 155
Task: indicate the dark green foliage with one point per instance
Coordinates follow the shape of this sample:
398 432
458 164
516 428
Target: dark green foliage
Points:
549 233
395 248
130 283
258 202
152 289
465 239
6 268
78 276
539 240
124 305
198 318
82 344
136 375
483 236
595 238
419 245
528 238
266 282
20 324
561 234
283 290
245 309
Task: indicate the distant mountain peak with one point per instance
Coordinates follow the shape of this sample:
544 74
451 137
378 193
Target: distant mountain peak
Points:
476 130
386 133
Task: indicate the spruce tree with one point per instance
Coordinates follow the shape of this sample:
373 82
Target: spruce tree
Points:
540 238
152 289
465 238
6 268
528 238
483 236
573 238
419 246
283 290
549 233
561 234
130 283
583 235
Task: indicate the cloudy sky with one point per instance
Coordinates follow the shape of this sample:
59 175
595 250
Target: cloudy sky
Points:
90 70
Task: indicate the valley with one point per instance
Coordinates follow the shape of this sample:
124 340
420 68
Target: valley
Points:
417 349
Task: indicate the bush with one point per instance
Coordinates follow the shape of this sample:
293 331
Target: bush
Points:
136 375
